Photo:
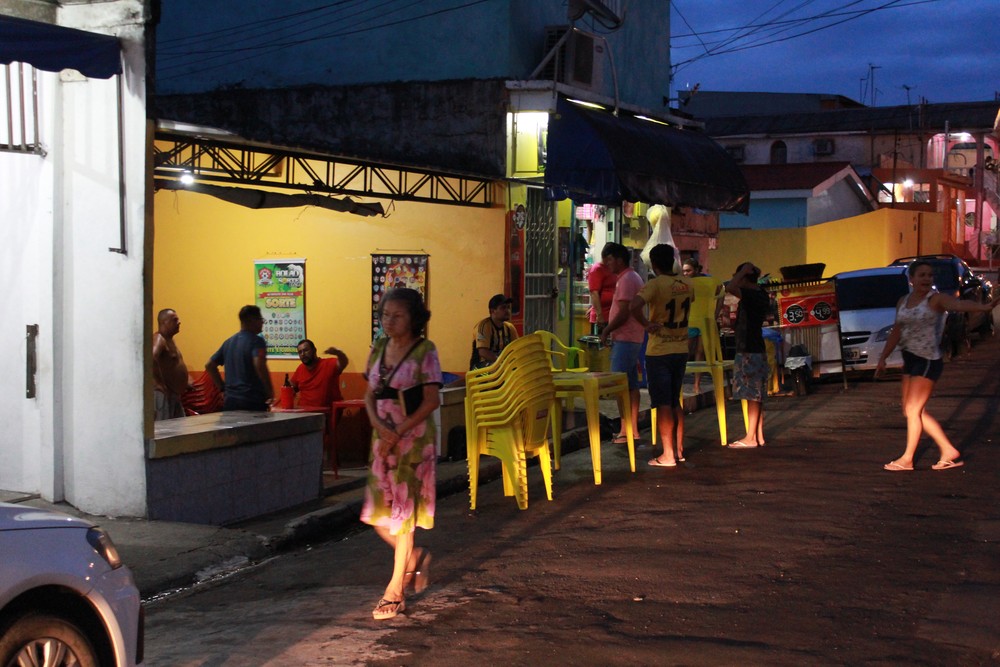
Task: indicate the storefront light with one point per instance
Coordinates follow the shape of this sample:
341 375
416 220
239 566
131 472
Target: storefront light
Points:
908 183
589 105
187 178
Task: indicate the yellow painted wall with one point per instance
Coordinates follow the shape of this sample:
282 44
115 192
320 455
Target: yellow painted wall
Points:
203 267
770 249
860 242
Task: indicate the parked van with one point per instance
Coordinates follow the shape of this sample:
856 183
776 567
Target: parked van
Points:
866 301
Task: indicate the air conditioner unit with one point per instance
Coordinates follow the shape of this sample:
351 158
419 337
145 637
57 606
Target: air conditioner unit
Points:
579 62
584 61
823 147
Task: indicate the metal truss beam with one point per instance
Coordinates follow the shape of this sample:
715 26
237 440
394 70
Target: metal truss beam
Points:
215 161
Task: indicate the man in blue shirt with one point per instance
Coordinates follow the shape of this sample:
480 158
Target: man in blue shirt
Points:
244 355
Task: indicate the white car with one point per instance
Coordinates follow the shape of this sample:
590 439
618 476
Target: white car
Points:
866 301
66 599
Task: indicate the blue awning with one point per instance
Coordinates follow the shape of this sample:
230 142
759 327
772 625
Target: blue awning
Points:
54 48
595 156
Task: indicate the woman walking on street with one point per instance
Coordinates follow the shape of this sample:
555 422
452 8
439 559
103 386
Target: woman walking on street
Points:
919 323
404 376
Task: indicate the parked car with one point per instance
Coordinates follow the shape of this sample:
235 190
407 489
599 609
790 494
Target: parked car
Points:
866 301
952 276
65 596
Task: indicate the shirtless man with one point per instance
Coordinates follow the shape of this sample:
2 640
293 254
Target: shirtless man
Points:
170 374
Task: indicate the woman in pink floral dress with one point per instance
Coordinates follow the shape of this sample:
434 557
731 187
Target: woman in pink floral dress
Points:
404 376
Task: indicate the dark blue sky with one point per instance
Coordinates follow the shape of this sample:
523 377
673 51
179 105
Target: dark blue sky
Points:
944 50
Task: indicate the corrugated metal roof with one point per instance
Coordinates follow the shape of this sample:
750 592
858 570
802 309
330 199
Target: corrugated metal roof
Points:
960 116
804 176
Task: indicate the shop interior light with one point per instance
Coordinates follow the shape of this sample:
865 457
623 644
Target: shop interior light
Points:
652 120
187 178
587 104
908 183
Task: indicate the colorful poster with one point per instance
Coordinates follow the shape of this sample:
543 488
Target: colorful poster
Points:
395 270
807 306
514 264
280 293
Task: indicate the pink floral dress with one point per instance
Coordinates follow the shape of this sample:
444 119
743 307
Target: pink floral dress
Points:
400 494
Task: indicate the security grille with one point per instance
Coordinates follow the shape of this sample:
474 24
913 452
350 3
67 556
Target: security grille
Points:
539 263
19 100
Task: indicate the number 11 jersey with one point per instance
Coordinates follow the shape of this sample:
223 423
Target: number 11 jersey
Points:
669 299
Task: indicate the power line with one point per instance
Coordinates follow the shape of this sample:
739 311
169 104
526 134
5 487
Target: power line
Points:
278 46
833 13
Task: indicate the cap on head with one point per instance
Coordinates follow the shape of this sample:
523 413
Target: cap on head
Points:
498 300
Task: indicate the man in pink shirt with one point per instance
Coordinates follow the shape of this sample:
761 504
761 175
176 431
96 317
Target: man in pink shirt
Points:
625 332
601 282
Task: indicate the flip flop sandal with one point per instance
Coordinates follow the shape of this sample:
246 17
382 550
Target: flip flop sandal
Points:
739 444
656 463
892 466
386 609
619 440
946 465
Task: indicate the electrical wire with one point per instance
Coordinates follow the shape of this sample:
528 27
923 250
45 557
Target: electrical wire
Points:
275 46
833 13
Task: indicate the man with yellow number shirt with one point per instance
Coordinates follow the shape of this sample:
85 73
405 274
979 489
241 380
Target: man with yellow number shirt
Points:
669 298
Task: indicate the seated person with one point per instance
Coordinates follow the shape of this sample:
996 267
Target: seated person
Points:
316 380
493 333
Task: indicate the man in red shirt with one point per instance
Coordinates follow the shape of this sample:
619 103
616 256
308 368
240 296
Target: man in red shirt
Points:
316 380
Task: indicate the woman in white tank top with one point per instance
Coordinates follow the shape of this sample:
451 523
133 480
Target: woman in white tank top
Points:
919 323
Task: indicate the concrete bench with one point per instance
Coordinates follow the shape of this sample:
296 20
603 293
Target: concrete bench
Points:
225 467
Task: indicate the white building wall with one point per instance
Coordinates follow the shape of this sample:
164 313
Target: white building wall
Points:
83 439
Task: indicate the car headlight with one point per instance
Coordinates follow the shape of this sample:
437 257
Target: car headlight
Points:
883 334
103 545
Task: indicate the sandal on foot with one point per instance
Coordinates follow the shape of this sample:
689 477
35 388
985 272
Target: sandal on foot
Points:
619 440
419 576
892 466
656 463
386 609
945 465
739 444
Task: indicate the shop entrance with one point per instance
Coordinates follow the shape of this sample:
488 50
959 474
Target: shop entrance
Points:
540 263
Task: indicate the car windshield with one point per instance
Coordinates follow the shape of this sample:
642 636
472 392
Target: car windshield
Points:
866 292
945 278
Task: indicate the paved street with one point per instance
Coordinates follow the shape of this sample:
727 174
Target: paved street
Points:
804 552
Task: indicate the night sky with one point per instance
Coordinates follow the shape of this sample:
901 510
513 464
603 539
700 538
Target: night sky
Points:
944 50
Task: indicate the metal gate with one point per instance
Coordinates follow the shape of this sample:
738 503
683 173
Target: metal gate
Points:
540 263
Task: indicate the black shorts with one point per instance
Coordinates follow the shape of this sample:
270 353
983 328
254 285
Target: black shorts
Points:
920 367
664 377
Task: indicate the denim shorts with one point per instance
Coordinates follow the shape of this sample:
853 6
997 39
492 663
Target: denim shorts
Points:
921 367
665 375
625 359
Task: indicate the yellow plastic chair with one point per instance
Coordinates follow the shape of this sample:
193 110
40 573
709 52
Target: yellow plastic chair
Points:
564 357
508 409
707 292
591 387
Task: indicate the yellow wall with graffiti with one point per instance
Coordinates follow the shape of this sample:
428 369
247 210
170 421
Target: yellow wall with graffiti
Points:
205 249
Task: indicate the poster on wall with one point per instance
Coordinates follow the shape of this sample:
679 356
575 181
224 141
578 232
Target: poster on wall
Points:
280 293
514 264
392 270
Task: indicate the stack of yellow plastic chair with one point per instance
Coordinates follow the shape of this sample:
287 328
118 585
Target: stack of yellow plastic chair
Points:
707 292
564 358
507 413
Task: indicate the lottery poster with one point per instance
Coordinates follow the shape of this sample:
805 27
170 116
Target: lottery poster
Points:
392 270
280 293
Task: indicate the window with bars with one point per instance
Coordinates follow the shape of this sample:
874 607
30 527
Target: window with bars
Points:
19 104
